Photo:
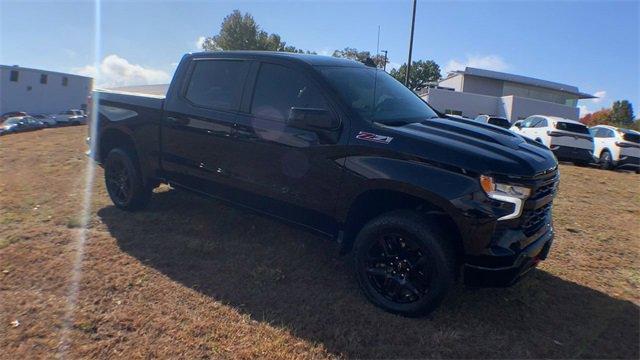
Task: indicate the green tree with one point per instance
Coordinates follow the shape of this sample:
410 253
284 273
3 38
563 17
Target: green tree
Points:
362 56
242 32
422 72
622 113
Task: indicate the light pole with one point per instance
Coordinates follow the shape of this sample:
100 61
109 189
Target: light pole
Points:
384 64
413 24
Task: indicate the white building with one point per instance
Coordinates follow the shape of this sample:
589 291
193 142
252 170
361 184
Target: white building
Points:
472 92
41 91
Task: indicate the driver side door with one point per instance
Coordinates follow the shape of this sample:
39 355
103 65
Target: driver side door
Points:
297 169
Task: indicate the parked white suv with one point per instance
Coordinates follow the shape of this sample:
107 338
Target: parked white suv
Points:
71 117
568 139
616 148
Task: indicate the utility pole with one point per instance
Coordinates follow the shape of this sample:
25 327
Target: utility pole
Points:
384 64
413 24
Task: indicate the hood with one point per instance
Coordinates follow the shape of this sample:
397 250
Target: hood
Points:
477 147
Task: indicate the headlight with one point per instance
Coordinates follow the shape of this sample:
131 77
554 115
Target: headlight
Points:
504 192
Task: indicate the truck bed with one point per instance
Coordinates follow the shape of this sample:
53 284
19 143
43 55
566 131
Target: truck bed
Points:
149 96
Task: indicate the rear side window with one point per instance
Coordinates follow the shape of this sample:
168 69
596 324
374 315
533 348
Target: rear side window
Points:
217 83
504 123
571 127
279 88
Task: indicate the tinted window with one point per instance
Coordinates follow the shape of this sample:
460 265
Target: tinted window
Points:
376 96
504 123
632 137
14 75
43 78
540 122
529 122
217 83
572 127
279 88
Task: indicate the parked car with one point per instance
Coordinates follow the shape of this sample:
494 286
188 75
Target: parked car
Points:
568 139
19 124
418 199
616 148
11 114
72 117
494 120
47 119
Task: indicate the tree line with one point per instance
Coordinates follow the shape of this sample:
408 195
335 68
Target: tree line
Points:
619 115
241 32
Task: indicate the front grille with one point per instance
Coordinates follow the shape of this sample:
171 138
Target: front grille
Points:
546 187
533 220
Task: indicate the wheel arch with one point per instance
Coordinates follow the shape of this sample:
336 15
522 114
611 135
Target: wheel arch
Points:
374 202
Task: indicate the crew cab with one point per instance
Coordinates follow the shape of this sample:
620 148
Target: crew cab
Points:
616 148
417 199
568 139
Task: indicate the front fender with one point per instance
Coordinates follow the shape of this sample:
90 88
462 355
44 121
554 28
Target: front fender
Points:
456 193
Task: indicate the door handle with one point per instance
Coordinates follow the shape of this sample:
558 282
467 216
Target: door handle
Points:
176 120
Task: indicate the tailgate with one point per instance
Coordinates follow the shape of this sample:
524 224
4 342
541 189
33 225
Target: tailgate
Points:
569 139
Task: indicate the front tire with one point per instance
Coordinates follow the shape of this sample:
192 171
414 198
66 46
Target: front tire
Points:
404 263
124 181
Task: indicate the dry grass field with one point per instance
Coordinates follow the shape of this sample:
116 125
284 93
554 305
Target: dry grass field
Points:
195 278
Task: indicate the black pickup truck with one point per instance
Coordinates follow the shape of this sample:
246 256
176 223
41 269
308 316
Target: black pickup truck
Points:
419 200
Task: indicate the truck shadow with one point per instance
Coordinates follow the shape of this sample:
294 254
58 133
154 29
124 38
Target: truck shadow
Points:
293 279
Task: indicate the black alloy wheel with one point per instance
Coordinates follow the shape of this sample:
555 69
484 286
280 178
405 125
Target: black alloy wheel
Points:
118 181
398 268
405 262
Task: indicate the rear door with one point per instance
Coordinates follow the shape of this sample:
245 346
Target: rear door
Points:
297 169
199 121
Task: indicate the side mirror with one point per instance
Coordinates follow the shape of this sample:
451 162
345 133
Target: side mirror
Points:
312 119
518 125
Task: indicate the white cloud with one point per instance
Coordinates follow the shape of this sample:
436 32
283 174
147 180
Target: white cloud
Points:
600 96
584 110
488 62
200 42
115 71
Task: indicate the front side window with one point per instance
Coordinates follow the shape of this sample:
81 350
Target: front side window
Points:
376 96
540 123
279 88
529 122
217 84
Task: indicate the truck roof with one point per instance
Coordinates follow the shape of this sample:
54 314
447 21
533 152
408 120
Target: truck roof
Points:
319 60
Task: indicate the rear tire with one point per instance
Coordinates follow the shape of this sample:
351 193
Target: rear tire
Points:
404 263
605 161
124 181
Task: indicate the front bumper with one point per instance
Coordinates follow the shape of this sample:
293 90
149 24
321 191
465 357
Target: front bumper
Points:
573 154
522 262
515 246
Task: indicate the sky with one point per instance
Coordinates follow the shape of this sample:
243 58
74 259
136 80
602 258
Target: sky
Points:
589 44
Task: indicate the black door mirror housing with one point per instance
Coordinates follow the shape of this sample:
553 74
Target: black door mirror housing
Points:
312 119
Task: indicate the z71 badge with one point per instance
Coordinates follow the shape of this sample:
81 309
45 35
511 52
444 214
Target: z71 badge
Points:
363 135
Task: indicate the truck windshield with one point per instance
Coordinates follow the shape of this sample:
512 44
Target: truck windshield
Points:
376 96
